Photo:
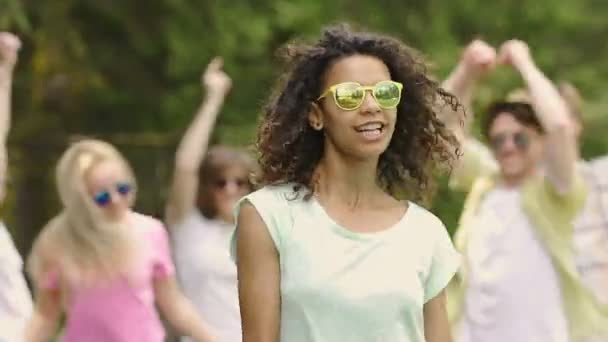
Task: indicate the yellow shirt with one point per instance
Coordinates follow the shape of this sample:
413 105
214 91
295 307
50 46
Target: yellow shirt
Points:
552 215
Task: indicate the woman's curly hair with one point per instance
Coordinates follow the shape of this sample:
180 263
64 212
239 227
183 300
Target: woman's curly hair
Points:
290 149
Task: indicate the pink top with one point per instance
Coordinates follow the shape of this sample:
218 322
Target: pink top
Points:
121 310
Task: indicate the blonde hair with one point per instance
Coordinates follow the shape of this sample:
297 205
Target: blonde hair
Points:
79 243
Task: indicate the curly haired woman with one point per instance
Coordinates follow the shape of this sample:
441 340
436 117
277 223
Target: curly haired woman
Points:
325 251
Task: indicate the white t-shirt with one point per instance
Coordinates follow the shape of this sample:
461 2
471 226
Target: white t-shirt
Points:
591 229
340 285
207 274
15 299
513 292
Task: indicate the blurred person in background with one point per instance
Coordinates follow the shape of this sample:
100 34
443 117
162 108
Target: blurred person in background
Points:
102 264
15 299
591 226
519 281
207 183
325 252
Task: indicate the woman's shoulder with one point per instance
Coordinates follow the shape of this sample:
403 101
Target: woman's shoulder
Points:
194 219
286 192
283 188
145 219
148 224
50 235
423 214
424 221
44 260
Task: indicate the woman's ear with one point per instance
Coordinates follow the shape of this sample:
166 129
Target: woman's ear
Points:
315 117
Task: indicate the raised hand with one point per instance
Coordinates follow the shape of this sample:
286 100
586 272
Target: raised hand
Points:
9 46
515 52
215 80
479 57
195 143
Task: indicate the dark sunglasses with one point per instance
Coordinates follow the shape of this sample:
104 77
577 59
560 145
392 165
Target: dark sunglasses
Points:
521 140
103 198
240 183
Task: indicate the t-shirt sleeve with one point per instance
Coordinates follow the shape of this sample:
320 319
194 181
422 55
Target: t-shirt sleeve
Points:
14 294
163 265
566 205
445 261
476 161
271 204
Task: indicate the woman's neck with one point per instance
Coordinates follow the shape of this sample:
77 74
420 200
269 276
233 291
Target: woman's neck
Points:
350 181
518 180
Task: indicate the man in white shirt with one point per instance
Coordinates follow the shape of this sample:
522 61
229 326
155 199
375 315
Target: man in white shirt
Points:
15 299
591 226
524 194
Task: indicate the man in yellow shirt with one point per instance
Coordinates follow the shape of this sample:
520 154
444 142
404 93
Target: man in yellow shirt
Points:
518 281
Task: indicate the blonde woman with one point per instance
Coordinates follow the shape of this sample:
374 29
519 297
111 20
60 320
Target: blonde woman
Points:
15 299
103 264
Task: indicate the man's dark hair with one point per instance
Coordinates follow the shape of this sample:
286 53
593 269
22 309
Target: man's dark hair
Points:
521 111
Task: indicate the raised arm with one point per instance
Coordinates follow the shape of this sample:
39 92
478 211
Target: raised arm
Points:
195 143
259 278
561 151
477 60
9 45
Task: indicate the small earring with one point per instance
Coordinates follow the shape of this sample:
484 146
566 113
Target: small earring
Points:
317 126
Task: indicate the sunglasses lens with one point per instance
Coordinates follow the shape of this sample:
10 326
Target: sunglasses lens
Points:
102 198
349 96
521 140
498 141
123 188
239 183
388 94
242 183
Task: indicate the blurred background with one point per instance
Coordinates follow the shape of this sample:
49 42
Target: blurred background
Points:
129 72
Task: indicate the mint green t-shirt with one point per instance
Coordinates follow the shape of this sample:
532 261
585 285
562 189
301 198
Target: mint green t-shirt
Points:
339 285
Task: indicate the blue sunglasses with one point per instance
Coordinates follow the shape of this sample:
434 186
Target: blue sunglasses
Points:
103 198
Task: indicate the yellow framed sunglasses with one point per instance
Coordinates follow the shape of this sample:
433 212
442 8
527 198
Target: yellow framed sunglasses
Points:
350 95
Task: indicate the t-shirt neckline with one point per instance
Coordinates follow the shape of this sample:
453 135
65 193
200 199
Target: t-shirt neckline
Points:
353 235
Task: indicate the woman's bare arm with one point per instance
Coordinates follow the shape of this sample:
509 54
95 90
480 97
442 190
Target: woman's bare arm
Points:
9 45
436 325
194 145
259 278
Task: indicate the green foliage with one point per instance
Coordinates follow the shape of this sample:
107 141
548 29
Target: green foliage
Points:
109 67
